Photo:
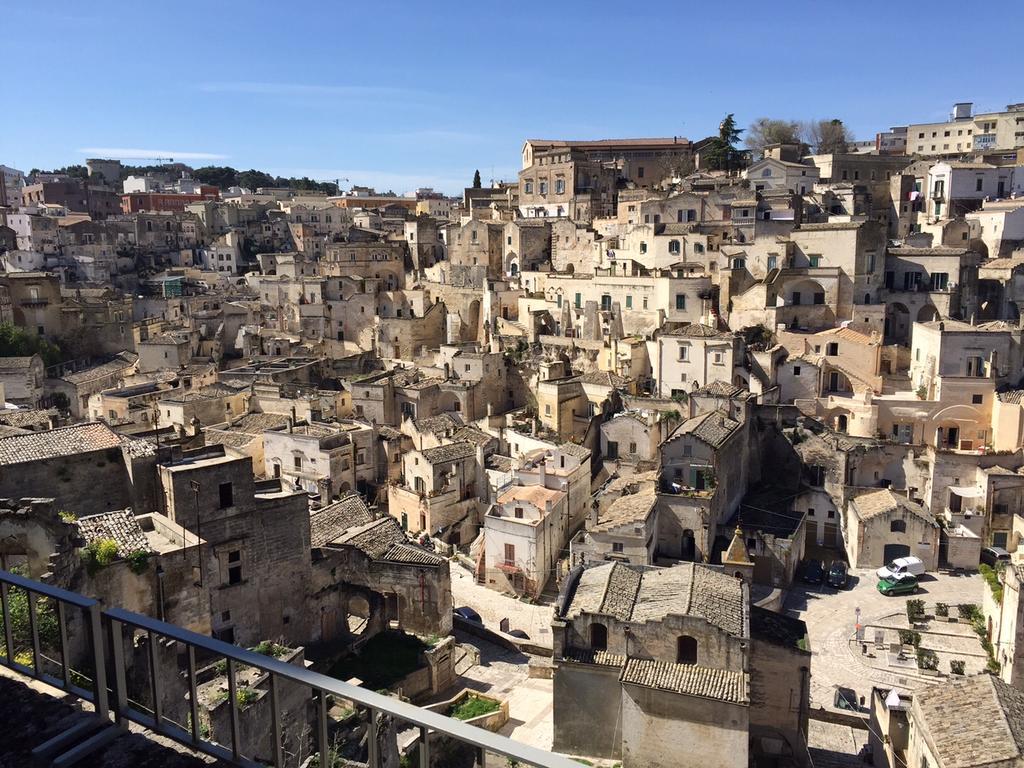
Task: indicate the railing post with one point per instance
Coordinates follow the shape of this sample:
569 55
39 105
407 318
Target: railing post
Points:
154 682
116 629
8 633
373 752
233 701
33 624
276 723
65 659
193 702
323 741
99 658
424 747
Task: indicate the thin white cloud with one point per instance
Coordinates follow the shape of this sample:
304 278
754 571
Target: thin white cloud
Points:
148 154
301 89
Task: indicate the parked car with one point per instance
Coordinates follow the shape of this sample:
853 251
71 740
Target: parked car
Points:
519 633
813 572
838 576
902 584
900 566
468 614
994 555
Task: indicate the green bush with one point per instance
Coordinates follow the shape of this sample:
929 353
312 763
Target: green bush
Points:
245 696
969 611
99 553
941 609
910 637
915 610
927 659
270 648
473 706
67 517
991 577
956 666
138 560
21 631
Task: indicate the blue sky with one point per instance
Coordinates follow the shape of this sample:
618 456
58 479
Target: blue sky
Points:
404 94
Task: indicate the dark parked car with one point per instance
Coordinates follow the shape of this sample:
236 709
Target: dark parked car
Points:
468 614
838 576
994 555
519 633
813 572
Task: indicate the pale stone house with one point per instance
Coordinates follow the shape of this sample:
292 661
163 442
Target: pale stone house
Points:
882 525
523 533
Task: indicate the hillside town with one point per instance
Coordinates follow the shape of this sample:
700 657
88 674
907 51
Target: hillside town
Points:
667 451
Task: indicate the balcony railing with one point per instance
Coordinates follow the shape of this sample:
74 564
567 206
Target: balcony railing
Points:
93 667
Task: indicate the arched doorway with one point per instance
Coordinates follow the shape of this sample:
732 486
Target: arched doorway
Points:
687 546
927 314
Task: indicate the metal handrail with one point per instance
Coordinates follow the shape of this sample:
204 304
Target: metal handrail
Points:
322 686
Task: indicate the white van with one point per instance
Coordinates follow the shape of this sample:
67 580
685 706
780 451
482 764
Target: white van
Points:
901 566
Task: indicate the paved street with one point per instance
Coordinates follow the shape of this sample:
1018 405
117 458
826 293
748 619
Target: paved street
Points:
493 606
830 617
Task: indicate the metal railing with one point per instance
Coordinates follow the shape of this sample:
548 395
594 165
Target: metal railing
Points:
101 650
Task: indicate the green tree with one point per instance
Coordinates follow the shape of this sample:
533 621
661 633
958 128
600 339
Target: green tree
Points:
766 130
476 179
218 176
253 179
17 342
722 154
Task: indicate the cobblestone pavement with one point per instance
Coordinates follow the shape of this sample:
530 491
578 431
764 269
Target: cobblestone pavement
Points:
830 617
493 606
835 746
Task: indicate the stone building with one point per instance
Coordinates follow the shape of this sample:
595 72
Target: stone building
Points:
86 469
524 531
883 525
674 661
22 379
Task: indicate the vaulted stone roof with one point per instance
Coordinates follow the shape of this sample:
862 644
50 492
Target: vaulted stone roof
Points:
650 594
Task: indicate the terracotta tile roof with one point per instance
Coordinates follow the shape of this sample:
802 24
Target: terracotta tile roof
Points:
589 656
537 495
604 378
633 507
66 441
449 452
384 539
713 428
29 418
119 525
973 722
439 424
698 331
256 423
121 362
688 679
473 435
883 501
16 363
576 451
721 389
331 522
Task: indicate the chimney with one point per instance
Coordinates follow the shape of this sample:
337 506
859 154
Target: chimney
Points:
593 513
542 467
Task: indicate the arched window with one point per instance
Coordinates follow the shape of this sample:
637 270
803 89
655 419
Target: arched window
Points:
686 650
898 526
766 173
599 637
